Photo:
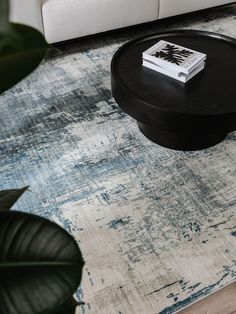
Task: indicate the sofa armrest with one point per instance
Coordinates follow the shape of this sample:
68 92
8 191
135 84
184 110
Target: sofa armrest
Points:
28 12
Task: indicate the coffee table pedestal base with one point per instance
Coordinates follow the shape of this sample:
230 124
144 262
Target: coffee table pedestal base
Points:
181 141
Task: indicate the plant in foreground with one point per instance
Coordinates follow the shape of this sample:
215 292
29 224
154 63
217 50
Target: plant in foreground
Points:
40 263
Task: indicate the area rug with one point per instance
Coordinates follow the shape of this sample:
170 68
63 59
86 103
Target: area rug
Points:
157 227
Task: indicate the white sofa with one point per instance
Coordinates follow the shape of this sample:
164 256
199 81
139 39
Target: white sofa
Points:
62 20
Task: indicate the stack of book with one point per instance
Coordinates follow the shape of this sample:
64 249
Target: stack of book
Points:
173 60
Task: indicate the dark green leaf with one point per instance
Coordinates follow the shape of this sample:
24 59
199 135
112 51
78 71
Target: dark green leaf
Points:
69 307
21 51
9 197
40 264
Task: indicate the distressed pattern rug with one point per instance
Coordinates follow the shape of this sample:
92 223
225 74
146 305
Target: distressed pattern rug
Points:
157 227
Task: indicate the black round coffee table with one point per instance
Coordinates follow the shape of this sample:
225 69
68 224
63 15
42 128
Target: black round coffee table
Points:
190 116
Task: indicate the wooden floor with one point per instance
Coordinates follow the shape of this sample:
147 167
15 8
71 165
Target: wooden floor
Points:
221 302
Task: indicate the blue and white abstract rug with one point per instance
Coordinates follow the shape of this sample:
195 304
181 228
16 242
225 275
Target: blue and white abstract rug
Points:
157 227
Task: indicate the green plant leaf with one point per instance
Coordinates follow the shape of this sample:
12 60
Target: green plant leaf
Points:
9 197
69 307
40 264
21 51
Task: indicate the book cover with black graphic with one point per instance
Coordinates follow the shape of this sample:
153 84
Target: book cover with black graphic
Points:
174 57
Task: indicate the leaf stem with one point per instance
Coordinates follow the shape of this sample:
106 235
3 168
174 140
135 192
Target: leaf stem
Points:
4 17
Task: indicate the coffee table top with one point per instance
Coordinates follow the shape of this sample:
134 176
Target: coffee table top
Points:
211 92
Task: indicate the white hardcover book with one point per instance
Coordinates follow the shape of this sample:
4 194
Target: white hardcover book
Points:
180 76
174 57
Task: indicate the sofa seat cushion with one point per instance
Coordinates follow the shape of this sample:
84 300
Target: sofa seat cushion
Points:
69 19
175 7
